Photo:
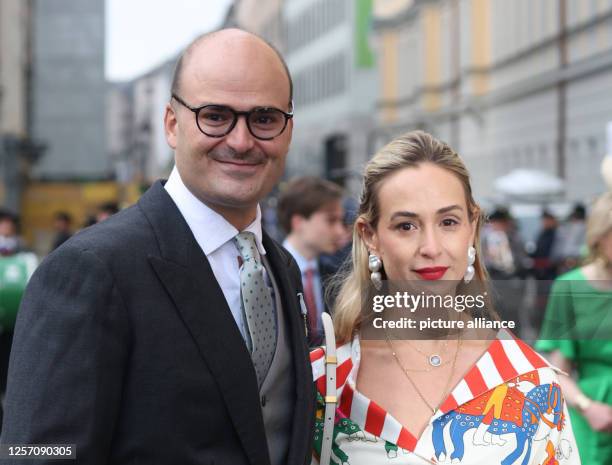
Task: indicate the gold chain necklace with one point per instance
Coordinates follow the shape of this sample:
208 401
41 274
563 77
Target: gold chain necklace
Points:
435 360
405 371
431 366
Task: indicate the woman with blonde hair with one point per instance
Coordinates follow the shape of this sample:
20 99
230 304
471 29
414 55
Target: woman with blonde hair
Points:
576 332
411 384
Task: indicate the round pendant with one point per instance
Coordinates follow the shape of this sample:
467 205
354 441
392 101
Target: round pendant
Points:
435 360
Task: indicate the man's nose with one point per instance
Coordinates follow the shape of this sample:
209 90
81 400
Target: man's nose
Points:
240 138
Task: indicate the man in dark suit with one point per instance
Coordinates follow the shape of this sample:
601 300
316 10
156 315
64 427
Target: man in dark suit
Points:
311 213
136 339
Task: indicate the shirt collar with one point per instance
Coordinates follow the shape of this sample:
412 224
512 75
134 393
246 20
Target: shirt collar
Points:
302 262
210 229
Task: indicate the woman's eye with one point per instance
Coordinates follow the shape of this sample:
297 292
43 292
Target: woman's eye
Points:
405 226
449 222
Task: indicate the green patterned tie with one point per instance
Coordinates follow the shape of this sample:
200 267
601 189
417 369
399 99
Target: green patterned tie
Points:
257 306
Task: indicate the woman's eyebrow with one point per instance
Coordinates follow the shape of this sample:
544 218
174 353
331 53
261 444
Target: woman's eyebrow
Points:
409 214
449 208
403 214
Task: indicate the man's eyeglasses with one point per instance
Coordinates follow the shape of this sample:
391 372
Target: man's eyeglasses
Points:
264 123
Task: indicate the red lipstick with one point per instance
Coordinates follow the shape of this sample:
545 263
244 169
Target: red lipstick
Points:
432 273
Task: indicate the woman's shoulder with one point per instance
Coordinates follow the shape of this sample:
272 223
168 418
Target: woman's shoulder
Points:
577 274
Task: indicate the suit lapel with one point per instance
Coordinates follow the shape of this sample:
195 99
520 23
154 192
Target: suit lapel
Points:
304 408
187 276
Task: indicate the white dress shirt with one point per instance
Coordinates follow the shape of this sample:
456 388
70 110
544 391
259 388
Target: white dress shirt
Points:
214 235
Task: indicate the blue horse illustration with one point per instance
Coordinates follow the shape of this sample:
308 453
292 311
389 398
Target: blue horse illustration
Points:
542 404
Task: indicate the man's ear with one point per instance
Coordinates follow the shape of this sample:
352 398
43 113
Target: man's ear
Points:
170 126
368 235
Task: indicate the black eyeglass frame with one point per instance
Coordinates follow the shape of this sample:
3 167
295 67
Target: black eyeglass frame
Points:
236 114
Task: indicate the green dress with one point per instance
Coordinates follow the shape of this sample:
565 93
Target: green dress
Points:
578 323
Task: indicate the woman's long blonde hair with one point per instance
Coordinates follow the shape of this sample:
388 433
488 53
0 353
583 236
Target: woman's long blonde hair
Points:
408 150
598 225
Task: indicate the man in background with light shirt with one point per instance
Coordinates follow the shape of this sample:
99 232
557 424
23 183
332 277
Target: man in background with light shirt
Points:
311 213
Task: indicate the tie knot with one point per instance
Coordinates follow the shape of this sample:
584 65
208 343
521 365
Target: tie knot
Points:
245 241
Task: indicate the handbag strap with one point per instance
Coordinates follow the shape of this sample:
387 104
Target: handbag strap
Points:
331 362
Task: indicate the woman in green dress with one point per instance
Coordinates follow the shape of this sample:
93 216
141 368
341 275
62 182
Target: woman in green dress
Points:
577 332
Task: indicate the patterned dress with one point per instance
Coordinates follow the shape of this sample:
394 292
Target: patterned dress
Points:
507 410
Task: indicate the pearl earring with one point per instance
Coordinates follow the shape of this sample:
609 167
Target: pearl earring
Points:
470 271
374 264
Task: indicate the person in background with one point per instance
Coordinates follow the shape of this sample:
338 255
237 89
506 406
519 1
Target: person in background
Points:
503 257
576 333
269 217
15 269
543 262
496 247
106 210
568 251
103 212
544 266
9 245
10 242
63 227
310 211
336 260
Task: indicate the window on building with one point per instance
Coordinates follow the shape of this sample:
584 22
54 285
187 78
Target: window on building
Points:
319 19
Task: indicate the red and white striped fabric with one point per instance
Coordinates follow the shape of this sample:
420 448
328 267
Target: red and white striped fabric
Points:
506 358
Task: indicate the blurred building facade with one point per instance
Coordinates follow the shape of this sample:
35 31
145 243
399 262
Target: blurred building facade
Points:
519 84
17 152
335 87
68 87
326 46
135 128
119 127
67 116
262 18
503 82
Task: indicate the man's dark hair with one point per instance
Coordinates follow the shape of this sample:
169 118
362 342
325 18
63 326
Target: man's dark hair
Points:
579 212
178 68
304 196
7 215
109 207
63 216
499 214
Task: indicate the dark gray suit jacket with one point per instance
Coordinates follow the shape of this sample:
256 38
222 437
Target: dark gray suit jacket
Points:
125 346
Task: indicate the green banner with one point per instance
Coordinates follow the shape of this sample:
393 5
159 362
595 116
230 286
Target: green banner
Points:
363 19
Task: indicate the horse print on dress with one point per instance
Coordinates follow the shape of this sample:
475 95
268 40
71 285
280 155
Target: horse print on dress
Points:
521 407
